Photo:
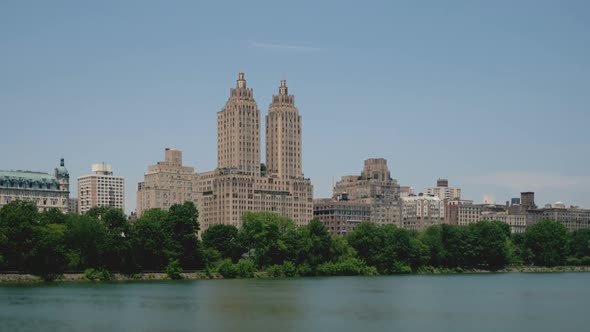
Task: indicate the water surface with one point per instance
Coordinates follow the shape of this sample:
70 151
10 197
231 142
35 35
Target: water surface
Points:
470 302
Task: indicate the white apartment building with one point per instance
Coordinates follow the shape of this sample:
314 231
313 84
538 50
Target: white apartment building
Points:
101 188
443 191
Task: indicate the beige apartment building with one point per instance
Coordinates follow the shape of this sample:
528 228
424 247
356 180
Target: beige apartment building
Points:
375 187
45 190
422 211
240 183
517 222
101 188
167 183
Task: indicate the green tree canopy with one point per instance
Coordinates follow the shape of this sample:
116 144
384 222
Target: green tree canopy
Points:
547 242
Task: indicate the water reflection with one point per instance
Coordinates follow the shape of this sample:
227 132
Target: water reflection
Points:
509 302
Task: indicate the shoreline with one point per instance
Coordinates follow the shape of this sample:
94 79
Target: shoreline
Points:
17 278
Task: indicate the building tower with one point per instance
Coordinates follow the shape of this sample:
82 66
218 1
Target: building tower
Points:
527 200
238 128
283 135
63 177
166 183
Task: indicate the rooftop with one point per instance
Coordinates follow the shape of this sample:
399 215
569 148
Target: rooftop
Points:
27 175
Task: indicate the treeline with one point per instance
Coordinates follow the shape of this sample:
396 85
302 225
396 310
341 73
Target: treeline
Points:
50 243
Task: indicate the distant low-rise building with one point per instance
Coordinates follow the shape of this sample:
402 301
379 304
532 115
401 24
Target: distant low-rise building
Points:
340 215
517 222
452 210
422 211
469 214
45 190
572 218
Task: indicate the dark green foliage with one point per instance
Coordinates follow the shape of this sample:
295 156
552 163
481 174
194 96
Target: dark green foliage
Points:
347 267
521 254
227 269
148 240
573 261
268 234
103 241
547 242
389 249
224 239
87 239
173 270
97 275
489 244
579 243
246 268
181 240
18 220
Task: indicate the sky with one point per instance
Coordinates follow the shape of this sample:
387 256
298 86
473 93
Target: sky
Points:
493 95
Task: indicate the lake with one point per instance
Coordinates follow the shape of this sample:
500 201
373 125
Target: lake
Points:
462 302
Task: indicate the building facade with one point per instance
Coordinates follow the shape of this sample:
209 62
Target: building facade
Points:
452 210
572 218
73 205
419 212
339 215
469 213
45 190
167 183
375 187
517 222
240 183
443 191
101 188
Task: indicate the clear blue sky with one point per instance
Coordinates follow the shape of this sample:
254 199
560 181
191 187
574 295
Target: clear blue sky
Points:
493 95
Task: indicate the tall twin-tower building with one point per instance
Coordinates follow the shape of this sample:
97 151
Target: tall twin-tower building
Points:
241 183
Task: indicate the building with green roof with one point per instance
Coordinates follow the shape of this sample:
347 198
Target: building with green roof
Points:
46 190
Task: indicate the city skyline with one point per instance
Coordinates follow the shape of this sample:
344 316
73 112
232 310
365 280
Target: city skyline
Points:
432 98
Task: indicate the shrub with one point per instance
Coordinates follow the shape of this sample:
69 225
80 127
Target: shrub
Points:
173 270
97 275
275 271
227 269
289 269
585 261
245 268
304 270
572 261
347 267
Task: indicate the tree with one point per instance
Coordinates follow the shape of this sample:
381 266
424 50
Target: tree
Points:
49 254
52 216
432 238
456 244
87 239
148 240
579 243
181 228
317 245
18 220
224 239
489 244
547 242
118 253
367 239
266 234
